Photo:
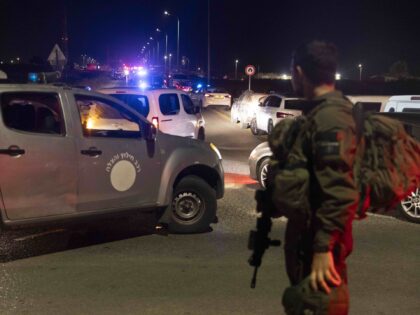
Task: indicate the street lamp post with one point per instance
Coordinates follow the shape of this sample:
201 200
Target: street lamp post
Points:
236 69
158 46
166 44
360 71
208 43
165 58
170 63
177 41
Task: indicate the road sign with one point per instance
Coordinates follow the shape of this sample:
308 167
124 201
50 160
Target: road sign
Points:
57 58
250 70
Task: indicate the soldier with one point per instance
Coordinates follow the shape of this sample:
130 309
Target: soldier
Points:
316 247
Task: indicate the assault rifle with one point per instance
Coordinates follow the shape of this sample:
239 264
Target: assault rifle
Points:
258 240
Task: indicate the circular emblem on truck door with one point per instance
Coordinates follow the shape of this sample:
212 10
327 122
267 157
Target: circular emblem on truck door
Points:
123 175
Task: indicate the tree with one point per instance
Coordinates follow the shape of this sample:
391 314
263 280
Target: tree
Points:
399 69
36 60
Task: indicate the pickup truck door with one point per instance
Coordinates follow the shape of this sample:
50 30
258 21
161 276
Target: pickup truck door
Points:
37 156
118 168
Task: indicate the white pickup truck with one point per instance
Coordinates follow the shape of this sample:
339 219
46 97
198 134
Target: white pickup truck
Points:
68 153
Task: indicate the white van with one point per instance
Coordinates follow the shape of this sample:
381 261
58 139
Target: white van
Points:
403 103
373 102
170 110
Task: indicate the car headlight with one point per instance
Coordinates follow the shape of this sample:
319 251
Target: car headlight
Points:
215 149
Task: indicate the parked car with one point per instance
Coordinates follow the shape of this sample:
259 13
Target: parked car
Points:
404 103
258 163
374 102
409 115
270 111
205 97
69 153
408 208
170 110
246 108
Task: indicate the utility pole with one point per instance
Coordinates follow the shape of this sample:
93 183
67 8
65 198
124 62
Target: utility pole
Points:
208 42
64 33
166 44
177 48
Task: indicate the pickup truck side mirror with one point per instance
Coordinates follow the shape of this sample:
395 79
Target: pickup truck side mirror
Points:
150 132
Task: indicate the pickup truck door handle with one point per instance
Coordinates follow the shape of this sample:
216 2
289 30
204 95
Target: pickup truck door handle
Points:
165 120
91 152
12 151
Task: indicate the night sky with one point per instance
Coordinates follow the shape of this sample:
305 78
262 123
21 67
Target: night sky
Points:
262 32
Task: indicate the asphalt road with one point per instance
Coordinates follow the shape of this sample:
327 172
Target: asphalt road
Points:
118 268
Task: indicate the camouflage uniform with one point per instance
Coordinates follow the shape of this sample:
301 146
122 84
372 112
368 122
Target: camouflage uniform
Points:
327 144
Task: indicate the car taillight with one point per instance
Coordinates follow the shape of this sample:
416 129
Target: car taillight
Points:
283 115
227 96
155 122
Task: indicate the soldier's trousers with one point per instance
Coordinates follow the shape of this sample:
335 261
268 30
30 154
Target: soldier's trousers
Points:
298 254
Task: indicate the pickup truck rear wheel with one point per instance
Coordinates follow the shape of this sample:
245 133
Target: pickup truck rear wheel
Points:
193 206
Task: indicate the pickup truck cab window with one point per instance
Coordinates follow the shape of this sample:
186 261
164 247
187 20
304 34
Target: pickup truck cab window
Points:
104 118
33 112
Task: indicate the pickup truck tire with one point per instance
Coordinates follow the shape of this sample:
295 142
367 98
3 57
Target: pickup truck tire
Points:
193 206
409 208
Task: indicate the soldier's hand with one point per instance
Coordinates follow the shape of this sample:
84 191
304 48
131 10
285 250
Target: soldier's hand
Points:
323 272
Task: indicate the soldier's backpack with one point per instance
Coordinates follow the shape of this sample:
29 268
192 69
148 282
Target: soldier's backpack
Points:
386 168
387 164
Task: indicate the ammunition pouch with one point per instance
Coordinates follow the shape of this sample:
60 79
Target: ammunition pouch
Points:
291 191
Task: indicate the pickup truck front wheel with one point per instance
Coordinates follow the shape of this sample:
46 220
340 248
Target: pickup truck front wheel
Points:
193 206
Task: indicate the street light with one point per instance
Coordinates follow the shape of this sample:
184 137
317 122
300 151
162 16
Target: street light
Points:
177 42
165 58
360 71
236 69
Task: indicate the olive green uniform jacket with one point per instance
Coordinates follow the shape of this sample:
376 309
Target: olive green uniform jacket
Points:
328 142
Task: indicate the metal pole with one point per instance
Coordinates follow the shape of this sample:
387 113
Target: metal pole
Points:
249 83
158 55
236 70
177 47
208 42
166 44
